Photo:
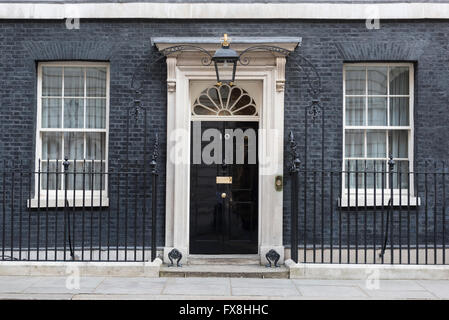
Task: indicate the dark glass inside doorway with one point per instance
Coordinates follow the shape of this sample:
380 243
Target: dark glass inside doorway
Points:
224 196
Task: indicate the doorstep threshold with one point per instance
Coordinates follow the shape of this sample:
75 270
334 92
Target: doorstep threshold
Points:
224 271
224 259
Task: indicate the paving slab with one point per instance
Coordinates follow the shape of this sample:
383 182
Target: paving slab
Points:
115 285
440 288
197 286
396 294
141 288
16 284
251 282
63 285
265 291
315 282
331 291
399 285
264 287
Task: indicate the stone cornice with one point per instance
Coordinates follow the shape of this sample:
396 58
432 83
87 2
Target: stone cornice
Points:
158 10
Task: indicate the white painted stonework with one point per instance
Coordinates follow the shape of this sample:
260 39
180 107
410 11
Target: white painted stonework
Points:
85 268
366 271
162 10
183 69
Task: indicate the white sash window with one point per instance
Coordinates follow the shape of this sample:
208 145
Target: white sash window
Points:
72 122
378 122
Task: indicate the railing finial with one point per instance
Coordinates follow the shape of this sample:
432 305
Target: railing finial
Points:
391 163
66 164
155 154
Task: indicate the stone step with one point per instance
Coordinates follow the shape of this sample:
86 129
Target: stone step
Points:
224 271
224 260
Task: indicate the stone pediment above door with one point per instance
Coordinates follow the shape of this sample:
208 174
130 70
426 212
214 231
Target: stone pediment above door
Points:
189 57
194 48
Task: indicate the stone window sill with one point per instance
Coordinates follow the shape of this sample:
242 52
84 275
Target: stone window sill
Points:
88 202
360 203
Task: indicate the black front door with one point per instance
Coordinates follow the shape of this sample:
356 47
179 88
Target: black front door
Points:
224 194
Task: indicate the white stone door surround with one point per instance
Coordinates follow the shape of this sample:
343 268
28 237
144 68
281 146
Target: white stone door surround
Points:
186 67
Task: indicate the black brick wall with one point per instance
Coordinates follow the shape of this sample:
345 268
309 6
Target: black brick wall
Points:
126 43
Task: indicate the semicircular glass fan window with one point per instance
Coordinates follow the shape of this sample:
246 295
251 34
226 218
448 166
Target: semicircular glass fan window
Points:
224 100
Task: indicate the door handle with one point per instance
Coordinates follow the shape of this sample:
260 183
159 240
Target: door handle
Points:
223 195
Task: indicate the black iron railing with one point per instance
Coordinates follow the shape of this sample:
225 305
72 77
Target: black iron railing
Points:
368 212
78 210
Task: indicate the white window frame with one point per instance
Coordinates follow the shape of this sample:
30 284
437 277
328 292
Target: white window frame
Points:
90 198
360 197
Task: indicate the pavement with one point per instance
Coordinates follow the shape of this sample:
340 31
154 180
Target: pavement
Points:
105 288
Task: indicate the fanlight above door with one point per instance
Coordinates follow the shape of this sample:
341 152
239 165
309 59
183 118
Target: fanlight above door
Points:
224 100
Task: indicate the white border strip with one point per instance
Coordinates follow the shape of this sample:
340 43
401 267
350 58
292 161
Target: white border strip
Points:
369 272
225 11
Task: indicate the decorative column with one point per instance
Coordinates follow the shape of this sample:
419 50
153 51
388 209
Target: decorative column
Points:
273 140
171 183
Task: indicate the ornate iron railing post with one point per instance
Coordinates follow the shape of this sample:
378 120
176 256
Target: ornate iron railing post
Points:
294 172
66 165
391 164
154 175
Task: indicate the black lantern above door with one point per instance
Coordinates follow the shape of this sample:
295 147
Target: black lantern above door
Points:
223 58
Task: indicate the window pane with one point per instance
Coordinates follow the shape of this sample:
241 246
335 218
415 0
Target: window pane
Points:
78 176
74 82
365 168
354 143
74 145
96 113
73 113
52 81
51 113
377 80
398 143
376 144
399 80
355 175
95 146
355 80
377 111
400 176
96 82
355 111
374 173
49 176
200 110
51 145
249 110
399 111
206 101
95 177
